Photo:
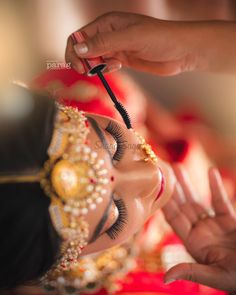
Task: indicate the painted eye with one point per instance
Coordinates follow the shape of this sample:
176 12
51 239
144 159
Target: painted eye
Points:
112 144
116 132
112 218
121 221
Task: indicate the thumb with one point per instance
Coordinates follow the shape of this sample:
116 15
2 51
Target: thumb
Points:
203 274
103 43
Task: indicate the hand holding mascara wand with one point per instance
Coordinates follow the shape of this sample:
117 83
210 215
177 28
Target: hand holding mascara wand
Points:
95 66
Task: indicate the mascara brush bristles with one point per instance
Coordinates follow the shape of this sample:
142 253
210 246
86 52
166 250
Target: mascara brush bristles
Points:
120 108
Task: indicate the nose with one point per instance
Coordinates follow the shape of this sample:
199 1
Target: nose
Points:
140 179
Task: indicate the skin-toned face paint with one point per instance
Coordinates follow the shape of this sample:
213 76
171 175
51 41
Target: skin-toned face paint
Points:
136 188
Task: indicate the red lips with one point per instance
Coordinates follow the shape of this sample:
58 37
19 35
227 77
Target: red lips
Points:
162 186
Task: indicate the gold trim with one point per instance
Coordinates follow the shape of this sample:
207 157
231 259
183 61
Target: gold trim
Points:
19 178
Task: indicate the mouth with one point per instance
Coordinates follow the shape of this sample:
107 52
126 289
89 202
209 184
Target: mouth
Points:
162 186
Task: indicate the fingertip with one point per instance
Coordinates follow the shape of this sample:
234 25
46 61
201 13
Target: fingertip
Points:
213 170
169 281
78 66
180 172
113 66
178 168
172 274
214 175
81 49
180 193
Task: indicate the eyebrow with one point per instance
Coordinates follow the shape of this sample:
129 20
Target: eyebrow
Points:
100 134
104 218
101 223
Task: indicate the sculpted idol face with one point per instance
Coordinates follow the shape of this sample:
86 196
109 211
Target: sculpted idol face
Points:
135 190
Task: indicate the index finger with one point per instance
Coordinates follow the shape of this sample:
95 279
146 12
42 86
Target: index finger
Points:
175 217
220 200
71 56
103 23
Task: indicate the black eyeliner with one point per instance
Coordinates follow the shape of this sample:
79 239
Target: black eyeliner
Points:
103 220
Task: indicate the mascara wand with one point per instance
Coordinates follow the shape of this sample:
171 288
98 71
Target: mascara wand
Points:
95 66
120 108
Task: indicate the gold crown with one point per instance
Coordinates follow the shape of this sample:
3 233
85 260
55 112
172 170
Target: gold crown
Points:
74 178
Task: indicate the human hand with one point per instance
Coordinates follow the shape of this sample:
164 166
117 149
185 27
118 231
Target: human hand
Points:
211 240
139 42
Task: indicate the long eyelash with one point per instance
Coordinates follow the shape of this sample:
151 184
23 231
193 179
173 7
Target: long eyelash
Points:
117 134
118 226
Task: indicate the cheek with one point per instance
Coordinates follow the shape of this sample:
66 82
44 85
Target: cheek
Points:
138 212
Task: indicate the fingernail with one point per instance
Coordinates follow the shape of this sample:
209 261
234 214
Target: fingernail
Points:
81 48
211 212
180 192
115 67
169 281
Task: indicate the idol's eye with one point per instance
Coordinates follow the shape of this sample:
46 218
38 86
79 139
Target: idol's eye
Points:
116 132
118 226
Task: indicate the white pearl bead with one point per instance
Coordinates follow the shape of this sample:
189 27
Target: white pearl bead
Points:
99 200
94 154
98 188
101 161
87 150
84 211
102 172
75 211
103 191
92 206
89 188
103 180
89 201
67 208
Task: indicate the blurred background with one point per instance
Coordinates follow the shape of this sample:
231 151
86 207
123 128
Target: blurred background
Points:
33 32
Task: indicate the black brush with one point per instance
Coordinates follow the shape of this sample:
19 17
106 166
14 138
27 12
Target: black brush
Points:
120 108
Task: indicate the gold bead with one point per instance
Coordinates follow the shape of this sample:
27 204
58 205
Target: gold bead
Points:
73 224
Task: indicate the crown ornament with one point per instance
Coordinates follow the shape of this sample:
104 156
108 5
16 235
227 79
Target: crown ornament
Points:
75 179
